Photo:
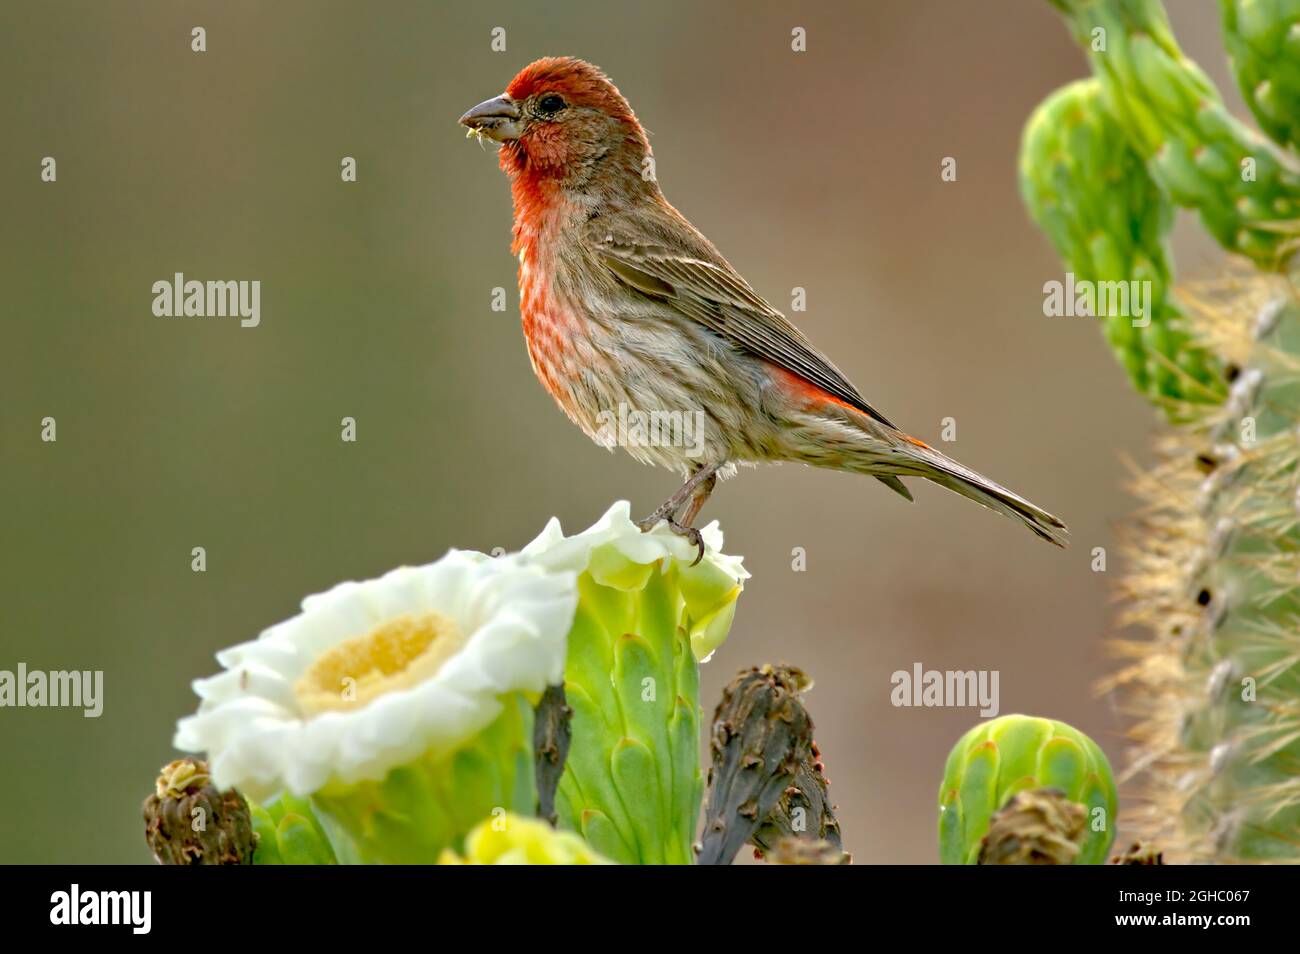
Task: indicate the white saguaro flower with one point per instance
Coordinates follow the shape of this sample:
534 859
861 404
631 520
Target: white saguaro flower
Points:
402 705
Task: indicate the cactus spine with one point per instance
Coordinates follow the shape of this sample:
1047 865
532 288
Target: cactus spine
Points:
1214 556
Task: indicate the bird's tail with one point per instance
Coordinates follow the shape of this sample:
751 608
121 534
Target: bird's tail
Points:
960 479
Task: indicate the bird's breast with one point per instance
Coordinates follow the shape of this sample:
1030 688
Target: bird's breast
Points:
607 356
557 335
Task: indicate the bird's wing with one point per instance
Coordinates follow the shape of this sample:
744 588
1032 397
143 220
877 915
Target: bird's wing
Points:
699 283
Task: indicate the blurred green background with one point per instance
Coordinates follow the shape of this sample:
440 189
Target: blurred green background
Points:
818 170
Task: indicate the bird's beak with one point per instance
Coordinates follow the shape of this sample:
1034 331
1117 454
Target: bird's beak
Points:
496 118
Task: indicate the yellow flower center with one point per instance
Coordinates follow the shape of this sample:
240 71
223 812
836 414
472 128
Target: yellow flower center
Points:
397 654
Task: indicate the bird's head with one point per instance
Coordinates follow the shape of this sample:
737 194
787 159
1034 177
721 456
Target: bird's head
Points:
562 119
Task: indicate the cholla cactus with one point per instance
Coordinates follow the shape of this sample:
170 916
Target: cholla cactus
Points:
1215 555
1246 191
1263 40
1089 190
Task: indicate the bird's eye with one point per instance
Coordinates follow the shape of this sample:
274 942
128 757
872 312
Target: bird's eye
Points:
550 104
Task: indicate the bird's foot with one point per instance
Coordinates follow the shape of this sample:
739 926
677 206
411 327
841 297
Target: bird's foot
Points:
691 535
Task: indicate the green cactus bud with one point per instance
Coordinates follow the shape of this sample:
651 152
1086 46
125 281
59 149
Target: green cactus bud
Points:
1090 192
1000 758
288 833
1246 192
1263 41
646 616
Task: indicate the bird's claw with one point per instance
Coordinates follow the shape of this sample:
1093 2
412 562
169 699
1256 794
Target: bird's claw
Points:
691 535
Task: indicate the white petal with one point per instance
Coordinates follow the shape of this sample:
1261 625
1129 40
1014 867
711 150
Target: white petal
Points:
515 615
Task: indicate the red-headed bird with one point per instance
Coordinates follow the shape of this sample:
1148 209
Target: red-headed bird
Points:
627 309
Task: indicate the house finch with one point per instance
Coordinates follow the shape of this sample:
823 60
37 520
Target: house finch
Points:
626 305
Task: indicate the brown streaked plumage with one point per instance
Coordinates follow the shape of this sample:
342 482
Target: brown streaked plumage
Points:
626 305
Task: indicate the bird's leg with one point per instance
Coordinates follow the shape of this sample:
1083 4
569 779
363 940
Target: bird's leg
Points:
684 527
668 509
696 489
698 497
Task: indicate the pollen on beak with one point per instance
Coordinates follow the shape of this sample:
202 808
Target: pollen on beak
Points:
496 119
